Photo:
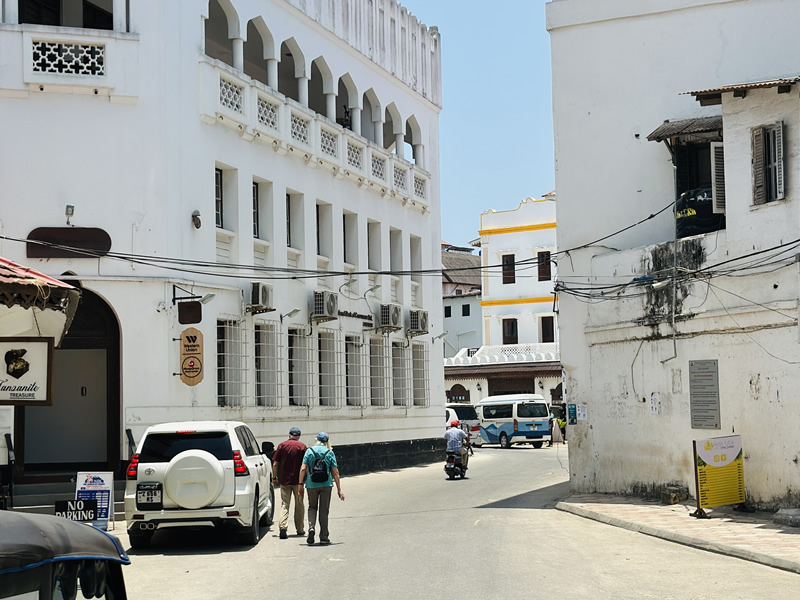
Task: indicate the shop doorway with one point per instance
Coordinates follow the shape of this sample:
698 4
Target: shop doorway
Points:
81 430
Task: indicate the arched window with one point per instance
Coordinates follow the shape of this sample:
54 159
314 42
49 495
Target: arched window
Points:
413 142
222 26
392 127
458 393
319 87
291 67
346 101
371 117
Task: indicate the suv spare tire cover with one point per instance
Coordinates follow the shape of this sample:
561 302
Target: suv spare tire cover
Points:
194 479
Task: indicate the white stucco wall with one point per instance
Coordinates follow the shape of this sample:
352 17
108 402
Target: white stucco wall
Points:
138 157
462 331
618 72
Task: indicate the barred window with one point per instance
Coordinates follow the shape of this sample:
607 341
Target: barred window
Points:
419 373
353 369
377 372
218 200
326 360
400 375
300 365
230 363
267 365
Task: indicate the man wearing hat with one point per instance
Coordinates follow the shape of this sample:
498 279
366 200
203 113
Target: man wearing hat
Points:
319 492
286 464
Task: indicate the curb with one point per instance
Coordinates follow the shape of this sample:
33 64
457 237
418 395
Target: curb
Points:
700 544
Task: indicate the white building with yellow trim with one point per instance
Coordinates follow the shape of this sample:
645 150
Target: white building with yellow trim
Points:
519 320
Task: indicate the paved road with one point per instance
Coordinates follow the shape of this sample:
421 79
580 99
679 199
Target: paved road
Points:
411 534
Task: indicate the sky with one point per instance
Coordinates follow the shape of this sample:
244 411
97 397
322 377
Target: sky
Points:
496 126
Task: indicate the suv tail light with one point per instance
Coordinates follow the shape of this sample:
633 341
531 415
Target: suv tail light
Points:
516 425
239 468
133 468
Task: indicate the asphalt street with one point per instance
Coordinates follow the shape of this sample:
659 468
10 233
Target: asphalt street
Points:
412 533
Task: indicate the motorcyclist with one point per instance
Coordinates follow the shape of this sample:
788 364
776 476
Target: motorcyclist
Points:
458 441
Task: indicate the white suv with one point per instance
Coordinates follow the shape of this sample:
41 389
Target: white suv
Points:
204 473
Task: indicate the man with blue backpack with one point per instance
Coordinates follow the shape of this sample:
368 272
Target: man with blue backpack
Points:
319 472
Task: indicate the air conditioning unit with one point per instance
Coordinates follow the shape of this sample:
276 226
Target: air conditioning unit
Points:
325 307
390 317
417 322
260 297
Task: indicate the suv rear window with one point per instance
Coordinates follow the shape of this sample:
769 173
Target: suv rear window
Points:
528 410
163 447
465 413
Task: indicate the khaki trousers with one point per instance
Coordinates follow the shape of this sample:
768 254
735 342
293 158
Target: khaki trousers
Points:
464 456
287 491
319 501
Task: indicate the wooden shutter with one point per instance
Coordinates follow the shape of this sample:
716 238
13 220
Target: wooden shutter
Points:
757 149
780 190
543 258
718 177
548 330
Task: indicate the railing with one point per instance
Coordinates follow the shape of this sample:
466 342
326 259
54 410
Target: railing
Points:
260 113
509 353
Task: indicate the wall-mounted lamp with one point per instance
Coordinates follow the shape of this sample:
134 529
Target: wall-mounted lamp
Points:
478 386
196 219
374 288
439 337
290 314
207 298
68 212
347 284
541 385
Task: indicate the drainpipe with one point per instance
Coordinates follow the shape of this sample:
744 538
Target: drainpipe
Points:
674 252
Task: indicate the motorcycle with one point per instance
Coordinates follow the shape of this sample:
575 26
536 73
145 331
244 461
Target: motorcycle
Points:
453 466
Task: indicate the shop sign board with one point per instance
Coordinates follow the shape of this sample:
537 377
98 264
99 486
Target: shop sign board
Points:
191 356
98 486
26 371
719 471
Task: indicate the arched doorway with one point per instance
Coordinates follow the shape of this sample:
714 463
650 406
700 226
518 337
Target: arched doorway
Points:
81 430
458 393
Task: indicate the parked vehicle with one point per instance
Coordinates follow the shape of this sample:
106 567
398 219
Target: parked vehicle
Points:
514 419
467 416
203 473
454 466
43 556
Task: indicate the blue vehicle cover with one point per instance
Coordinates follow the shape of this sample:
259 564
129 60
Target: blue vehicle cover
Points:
38 550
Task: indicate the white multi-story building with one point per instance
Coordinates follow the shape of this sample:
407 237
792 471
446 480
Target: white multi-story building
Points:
647 287
461 293
519 311
275 160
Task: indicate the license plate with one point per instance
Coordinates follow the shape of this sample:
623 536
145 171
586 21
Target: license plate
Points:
531 425
148 495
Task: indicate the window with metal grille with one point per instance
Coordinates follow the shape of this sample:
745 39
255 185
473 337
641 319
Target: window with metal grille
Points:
353 371
327 367
510 331
256 219
419 374
230 363
399 374
548 330
509 274
288 220
768 182
268 369
543 258
377 372
218 196
300 367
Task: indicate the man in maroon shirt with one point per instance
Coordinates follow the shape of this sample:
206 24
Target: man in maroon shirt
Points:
286 464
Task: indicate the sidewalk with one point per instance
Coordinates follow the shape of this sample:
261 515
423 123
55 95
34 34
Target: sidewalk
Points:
752 537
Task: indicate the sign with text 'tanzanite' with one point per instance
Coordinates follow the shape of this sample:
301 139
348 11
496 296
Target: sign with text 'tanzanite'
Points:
26 371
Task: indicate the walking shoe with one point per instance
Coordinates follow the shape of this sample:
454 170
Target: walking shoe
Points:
301 533
310 539
284 535
324 542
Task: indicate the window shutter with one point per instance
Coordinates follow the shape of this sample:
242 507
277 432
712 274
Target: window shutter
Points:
779 160
718 177
757 147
